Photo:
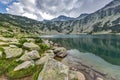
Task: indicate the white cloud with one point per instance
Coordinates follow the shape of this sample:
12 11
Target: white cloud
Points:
48 9
29 15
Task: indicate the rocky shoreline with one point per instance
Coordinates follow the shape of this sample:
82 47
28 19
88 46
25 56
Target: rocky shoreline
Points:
29 53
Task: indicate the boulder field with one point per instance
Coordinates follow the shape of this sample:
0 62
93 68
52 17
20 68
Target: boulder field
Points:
28 57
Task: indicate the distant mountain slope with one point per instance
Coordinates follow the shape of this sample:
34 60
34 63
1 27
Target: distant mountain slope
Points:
106 20
62 18
18 25
82 16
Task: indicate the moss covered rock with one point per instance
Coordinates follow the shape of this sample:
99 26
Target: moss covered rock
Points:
54 70
24 65
12 52
31 46
34 54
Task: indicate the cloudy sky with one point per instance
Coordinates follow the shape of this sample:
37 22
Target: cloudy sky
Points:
48 9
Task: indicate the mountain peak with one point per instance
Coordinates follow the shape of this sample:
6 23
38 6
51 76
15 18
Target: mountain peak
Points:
62 18
113 3
82 16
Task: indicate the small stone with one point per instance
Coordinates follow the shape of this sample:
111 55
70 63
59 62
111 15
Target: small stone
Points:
80 76
76 75
59 49
49 51
62 54
47 43
34 54
13 46
12 52
31 46
51 43
98 78
51 55
41 60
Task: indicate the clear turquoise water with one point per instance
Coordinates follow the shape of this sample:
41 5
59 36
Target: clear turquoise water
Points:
100 51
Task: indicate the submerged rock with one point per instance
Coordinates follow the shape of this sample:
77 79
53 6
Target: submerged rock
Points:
12 52
24 65
31 46
34 54
54 70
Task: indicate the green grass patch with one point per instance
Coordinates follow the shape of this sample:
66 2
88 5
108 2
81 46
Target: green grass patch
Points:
36 74
38 41
21 73
22 40
43 47
1 49
6 64
75 79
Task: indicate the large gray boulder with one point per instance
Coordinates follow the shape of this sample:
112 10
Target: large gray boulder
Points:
31 46
12 52
34 54
54 70
24 65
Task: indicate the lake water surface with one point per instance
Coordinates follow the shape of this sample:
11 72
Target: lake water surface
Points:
102 52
